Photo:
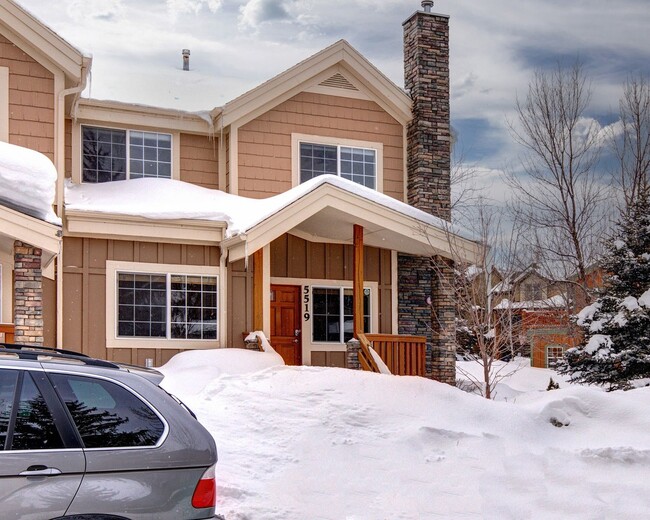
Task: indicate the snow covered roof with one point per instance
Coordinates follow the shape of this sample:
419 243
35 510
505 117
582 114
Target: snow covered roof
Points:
323 206
165 199
554 302
27 182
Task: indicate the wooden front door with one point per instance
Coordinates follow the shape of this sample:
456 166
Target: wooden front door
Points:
286 323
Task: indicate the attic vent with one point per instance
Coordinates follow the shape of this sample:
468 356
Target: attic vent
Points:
338 81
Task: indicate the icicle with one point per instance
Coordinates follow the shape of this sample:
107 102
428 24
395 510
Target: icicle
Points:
246 255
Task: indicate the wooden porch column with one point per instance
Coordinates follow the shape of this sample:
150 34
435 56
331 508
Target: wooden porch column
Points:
258 289
357 281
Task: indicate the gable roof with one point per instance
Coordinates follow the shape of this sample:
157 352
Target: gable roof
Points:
339 65
41 42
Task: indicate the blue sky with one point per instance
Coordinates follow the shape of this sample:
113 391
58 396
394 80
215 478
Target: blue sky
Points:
236 44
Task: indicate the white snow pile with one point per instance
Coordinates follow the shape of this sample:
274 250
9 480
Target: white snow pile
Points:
300 443
27 182
167 199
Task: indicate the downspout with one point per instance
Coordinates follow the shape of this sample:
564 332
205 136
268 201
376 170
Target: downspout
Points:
223 298
85 70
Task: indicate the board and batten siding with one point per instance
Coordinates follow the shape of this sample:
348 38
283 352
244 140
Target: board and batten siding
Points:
295 258
265 143
31 100
199 160
84 290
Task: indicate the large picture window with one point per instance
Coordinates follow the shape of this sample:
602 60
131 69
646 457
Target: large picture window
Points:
113 154
166 305
332 311
356 164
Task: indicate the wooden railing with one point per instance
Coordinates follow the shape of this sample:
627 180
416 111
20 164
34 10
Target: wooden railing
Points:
366 360
403 355
7 333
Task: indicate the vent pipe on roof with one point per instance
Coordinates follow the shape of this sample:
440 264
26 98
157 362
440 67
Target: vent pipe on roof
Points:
186 59
427 5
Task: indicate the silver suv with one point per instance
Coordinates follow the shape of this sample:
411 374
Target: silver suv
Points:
86 439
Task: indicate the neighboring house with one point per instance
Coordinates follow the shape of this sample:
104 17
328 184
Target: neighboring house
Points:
534 311
233 228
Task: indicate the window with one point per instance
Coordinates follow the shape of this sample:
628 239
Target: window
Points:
114 155
356 164
7 395
172 306
106 414
34 427
332 314
553 354
533 292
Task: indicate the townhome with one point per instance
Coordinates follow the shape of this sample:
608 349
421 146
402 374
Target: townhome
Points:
311 207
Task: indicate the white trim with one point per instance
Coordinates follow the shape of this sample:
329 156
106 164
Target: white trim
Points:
307 345
266 290
340 92
297 138
233 174
112 341
77 146
4 104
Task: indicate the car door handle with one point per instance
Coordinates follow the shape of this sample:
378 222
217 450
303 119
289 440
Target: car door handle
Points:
40 471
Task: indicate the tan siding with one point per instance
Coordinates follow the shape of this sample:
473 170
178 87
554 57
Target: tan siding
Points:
265 143
293 257
49 312
31 100
227 152
240 306
84 290
199 160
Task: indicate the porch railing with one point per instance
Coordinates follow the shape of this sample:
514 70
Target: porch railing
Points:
7 333
403 355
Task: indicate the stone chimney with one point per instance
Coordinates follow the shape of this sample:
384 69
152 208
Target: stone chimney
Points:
426 78
186 59
425 293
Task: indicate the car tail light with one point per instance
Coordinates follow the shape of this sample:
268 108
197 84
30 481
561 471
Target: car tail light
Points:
205 493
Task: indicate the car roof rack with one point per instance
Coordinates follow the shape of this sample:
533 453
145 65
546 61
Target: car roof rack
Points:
34 351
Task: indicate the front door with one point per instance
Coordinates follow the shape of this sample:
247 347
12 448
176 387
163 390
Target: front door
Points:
286 325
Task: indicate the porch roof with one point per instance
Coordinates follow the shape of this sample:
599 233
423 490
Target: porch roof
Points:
15 225
326 208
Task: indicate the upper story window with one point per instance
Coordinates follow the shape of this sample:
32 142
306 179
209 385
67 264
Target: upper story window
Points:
111 154
356 164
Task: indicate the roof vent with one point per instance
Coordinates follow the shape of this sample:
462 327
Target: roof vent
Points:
427 5
186 59
338 81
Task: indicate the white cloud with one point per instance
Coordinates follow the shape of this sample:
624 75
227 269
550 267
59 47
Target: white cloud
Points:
82 10
256 12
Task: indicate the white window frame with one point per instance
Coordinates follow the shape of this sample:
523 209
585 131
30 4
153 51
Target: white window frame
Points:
297 139
548 347
78 149
113 268
341 289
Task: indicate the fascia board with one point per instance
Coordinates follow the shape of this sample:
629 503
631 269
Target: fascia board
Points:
105 225
29 230
139 115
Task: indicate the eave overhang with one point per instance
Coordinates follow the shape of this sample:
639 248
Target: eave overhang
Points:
127 227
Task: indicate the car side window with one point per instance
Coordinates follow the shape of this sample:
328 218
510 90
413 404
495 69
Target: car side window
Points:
106 414
34 428
7 395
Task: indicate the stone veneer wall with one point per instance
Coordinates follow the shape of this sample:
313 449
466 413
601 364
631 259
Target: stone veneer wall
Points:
425 299
28 294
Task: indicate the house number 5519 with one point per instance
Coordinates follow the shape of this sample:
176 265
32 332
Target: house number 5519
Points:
305 301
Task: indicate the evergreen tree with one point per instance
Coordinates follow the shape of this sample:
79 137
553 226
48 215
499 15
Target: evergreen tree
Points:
616 346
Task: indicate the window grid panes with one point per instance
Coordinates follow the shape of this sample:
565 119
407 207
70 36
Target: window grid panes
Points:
356 164
332 314
171 306
113 154
151 155
553 355
193 307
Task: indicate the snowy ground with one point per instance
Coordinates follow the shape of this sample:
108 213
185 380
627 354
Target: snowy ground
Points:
306 443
